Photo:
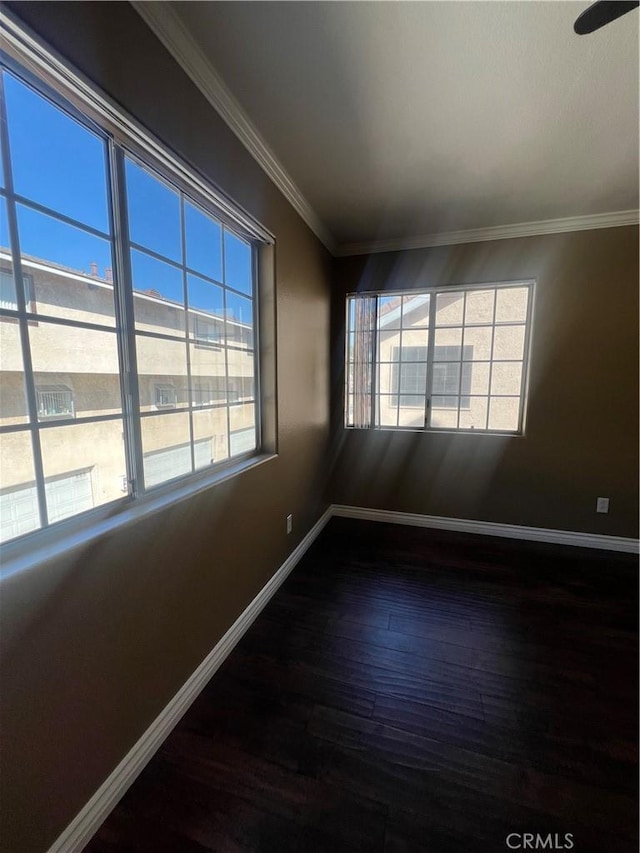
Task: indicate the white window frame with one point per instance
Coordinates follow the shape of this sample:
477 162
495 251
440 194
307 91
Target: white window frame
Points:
26 56
370 337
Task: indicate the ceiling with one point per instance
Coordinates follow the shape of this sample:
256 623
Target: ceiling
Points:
396 121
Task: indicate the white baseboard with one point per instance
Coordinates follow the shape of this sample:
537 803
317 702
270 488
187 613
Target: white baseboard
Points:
489 528
88 820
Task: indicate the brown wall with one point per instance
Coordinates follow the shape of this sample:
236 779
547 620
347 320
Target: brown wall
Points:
581 438
97 643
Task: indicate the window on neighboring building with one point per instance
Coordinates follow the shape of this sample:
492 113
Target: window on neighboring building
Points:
133 262
55 401
166 396
8 298
453 358
409 375
208 333
202 394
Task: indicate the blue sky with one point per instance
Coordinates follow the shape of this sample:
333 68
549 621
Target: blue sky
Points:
60 164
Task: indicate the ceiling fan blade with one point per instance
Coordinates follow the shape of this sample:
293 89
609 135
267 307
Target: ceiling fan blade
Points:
602 12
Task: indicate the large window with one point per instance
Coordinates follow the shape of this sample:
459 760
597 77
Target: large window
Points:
452 359
140 366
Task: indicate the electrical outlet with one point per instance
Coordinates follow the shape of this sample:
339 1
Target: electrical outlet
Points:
602 505
289 523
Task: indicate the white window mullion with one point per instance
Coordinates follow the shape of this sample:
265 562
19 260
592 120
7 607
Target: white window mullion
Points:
123 295
430 353
374 416
493 337
460 363
524 376
183 240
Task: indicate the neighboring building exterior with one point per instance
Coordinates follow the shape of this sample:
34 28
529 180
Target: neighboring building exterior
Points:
77 375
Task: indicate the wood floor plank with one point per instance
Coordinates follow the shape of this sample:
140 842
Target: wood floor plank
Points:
479 772
410 690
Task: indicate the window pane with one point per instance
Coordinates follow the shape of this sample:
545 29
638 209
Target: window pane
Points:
13 401
387 378
444 402
389 312
449 307
5 240
413 379
349 414
415 310
239 320
240 366
1 171
209 364
242 417
166 446
84 466
207 298
479 306
446 378
506 377
162 373
388 343
210 434
447 344
158 294
237 263
207 331
475 377
388 410
474 415
154 213
444 412
75 281
415 339
477 343
203 238
508 342
412 410
18 497
242 441
511 304
56 161
78 368
75 296
503 413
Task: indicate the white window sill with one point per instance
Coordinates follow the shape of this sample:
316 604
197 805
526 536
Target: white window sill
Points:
55 541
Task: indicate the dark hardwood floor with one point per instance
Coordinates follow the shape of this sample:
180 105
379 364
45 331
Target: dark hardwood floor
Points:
411 690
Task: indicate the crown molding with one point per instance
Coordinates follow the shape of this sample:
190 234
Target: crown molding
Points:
167 26
498 232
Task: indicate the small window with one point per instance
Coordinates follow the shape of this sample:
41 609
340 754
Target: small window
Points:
8 299
441 359
202 395
166 396
54 401
208 333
